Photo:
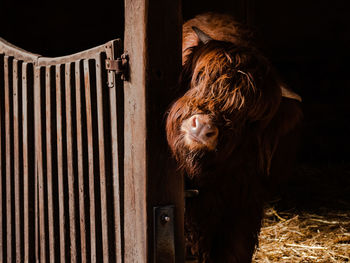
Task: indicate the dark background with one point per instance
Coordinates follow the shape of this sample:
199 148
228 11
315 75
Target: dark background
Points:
307 41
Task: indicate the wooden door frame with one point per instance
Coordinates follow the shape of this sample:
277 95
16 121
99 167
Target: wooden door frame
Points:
152 40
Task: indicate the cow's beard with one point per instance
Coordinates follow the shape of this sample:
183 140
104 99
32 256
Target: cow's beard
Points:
194 162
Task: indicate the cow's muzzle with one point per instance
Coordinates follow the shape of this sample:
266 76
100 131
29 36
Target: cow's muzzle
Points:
200 132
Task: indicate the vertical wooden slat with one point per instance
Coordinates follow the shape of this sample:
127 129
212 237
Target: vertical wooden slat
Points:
70 163
90 160
36 209
101 147
80 163
25 161
16 158
39 162
60 162
1 178
8 161
49 164
115 167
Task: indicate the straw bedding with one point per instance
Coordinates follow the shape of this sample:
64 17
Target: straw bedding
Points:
313 225
304 237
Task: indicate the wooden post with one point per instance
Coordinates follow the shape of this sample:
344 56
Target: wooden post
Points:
153 43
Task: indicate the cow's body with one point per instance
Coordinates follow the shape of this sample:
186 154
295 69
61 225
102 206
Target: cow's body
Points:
219 27
224 132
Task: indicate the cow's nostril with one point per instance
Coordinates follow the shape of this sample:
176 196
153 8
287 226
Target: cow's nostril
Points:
200 130
210 134
194 123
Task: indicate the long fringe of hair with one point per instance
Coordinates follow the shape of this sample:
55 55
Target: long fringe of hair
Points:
235 83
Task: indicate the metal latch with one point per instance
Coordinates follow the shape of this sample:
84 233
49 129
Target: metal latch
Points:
118 66
115 65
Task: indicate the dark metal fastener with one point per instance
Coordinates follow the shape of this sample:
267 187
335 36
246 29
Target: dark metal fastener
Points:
165 219
118 66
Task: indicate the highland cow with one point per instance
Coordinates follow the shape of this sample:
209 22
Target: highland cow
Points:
225 131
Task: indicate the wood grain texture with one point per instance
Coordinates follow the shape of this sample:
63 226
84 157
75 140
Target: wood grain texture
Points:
8 160
60 162
70 171
49 165
80 162
47 121
90 160
25 161
39 163
153 42
115 97
16 169
135 216
1 172
101 147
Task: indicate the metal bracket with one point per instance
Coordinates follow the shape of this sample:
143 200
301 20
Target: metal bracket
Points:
115 64
119 66
163 239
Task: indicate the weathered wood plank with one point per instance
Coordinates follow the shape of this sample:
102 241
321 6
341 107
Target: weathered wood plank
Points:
25 160
101 147
49 164
1 173
8 160
150 176
16 158
113 107
135 176
73 249
39 163
80 162
60 163
90 160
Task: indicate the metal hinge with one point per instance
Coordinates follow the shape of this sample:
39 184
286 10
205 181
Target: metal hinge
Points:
118 66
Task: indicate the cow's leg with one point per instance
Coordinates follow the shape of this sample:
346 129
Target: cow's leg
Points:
222 225
229 247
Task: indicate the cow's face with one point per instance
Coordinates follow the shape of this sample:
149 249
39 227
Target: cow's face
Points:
230 90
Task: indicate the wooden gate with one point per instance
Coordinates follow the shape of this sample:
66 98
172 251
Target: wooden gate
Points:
85 170
59 183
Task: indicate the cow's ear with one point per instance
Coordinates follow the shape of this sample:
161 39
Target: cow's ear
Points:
203 37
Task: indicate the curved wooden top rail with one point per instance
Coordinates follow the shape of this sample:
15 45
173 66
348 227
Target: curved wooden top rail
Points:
11 50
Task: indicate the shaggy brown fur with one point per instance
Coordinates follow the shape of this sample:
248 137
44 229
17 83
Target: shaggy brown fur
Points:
229 80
